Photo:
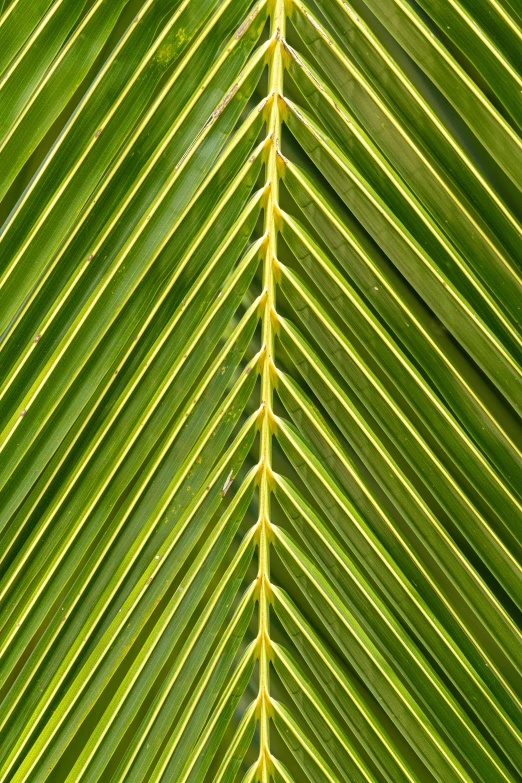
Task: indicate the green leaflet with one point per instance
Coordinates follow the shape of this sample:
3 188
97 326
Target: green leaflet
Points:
39 87
413 33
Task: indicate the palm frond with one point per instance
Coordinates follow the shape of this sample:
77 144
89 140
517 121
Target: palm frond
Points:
260 391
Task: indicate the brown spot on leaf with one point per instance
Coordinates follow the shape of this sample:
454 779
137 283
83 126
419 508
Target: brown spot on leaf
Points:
242 27
226 100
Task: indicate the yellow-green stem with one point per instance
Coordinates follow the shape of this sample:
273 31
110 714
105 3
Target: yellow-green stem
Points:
277 31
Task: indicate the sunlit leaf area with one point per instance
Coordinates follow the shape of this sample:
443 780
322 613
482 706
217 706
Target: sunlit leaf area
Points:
260 391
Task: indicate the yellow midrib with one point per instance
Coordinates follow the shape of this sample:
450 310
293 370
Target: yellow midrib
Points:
275 86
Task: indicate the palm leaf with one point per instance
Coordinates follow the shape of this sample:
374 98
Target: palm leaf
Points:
261 374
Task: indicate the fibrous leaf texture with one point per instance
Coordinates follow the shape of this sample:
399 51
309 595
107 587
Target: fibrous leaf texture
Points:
260 391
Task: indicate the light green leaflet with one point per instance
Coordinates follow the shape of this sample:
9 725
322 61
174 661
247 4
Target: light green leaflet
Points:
260 391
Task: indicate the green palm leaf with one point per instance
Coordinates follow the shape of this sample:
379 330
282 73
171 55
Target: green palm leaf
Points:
260 391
